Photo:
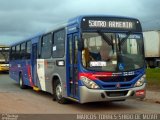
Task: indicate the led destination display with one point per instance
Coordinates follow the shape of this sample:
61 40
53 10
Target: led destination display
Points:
110 23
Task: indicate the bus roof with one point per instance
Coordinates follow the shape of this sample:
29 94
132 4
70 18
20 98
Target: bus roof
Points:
68 23
78 18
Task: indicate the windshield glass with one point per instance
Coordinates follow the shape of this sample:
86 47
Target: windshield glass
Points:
112 51
4 55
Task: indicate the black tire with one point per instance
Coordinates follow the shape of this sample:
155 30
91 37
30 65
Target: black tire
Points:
57 94
54 95
21 83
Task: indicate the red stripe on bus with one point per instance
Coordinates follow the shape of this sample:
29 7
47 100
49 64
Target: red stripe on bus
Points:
29 75
93 76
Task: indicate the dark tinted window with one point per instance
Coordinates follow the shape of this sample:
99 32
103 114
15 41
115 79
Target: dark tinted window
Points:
12 53
39 48
46 46
23 50
58 43
17 52
28 51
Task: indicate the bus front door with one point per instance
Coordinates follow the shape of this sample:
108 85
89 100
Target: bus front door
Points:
73 66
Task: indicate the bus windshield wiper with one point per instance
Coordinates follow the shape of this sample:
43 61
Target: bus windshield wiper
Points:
107 39
121 42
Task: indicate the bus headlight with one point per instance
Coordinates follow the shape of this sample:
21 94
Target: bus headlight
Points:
141 81
89 83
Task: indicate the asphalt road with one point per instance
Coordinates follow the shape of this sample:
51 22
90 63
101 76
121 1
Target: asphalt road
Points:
15 100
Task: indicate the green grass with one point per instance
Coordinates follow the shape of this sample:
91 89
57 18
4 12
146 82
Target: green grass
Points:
153 78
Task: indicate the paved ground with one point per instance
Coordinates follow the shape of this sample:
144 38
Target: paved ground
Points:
15 100
153 96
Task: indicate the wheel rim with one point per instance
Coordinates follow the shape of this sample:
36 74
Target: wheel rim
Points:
59 91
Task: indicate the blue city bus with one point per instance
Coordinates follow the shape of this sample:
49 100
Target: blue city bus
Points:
88 59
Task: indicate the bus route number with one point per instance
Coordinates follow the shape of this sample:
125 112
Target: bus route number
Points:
94 23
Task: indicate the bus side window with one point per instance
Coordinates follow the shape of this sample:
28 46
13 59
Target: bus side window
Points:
11 53
39 48
46 46
23 50
28 51
58 44
18 52
15 53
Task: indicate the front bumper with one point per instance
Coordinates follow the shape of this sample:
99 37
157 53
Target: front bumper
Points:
92 95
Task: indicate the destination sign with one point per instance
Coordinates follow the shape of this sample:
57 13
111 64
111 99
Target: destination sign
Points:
110 23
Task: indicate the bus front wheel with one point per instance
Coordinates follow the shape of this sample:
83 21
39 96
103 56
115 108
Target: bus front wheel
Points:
58 93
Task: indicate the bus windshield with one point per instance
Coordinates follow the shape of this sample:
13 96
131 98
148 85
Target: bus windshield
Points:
112 51
4 55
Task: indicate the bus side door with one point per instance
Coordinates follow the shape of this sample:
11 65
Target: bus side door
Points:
72 72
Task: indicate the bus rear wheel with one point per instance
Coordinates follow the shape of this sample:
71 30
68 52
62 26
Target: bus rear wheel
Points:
58 93
21 83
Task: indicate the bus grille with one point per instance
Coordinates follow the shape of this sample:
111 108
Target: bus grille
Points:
116 93
117 79
114 86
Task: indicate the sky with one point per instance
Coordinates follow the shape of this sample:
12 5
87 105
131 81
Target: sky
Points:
20 19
